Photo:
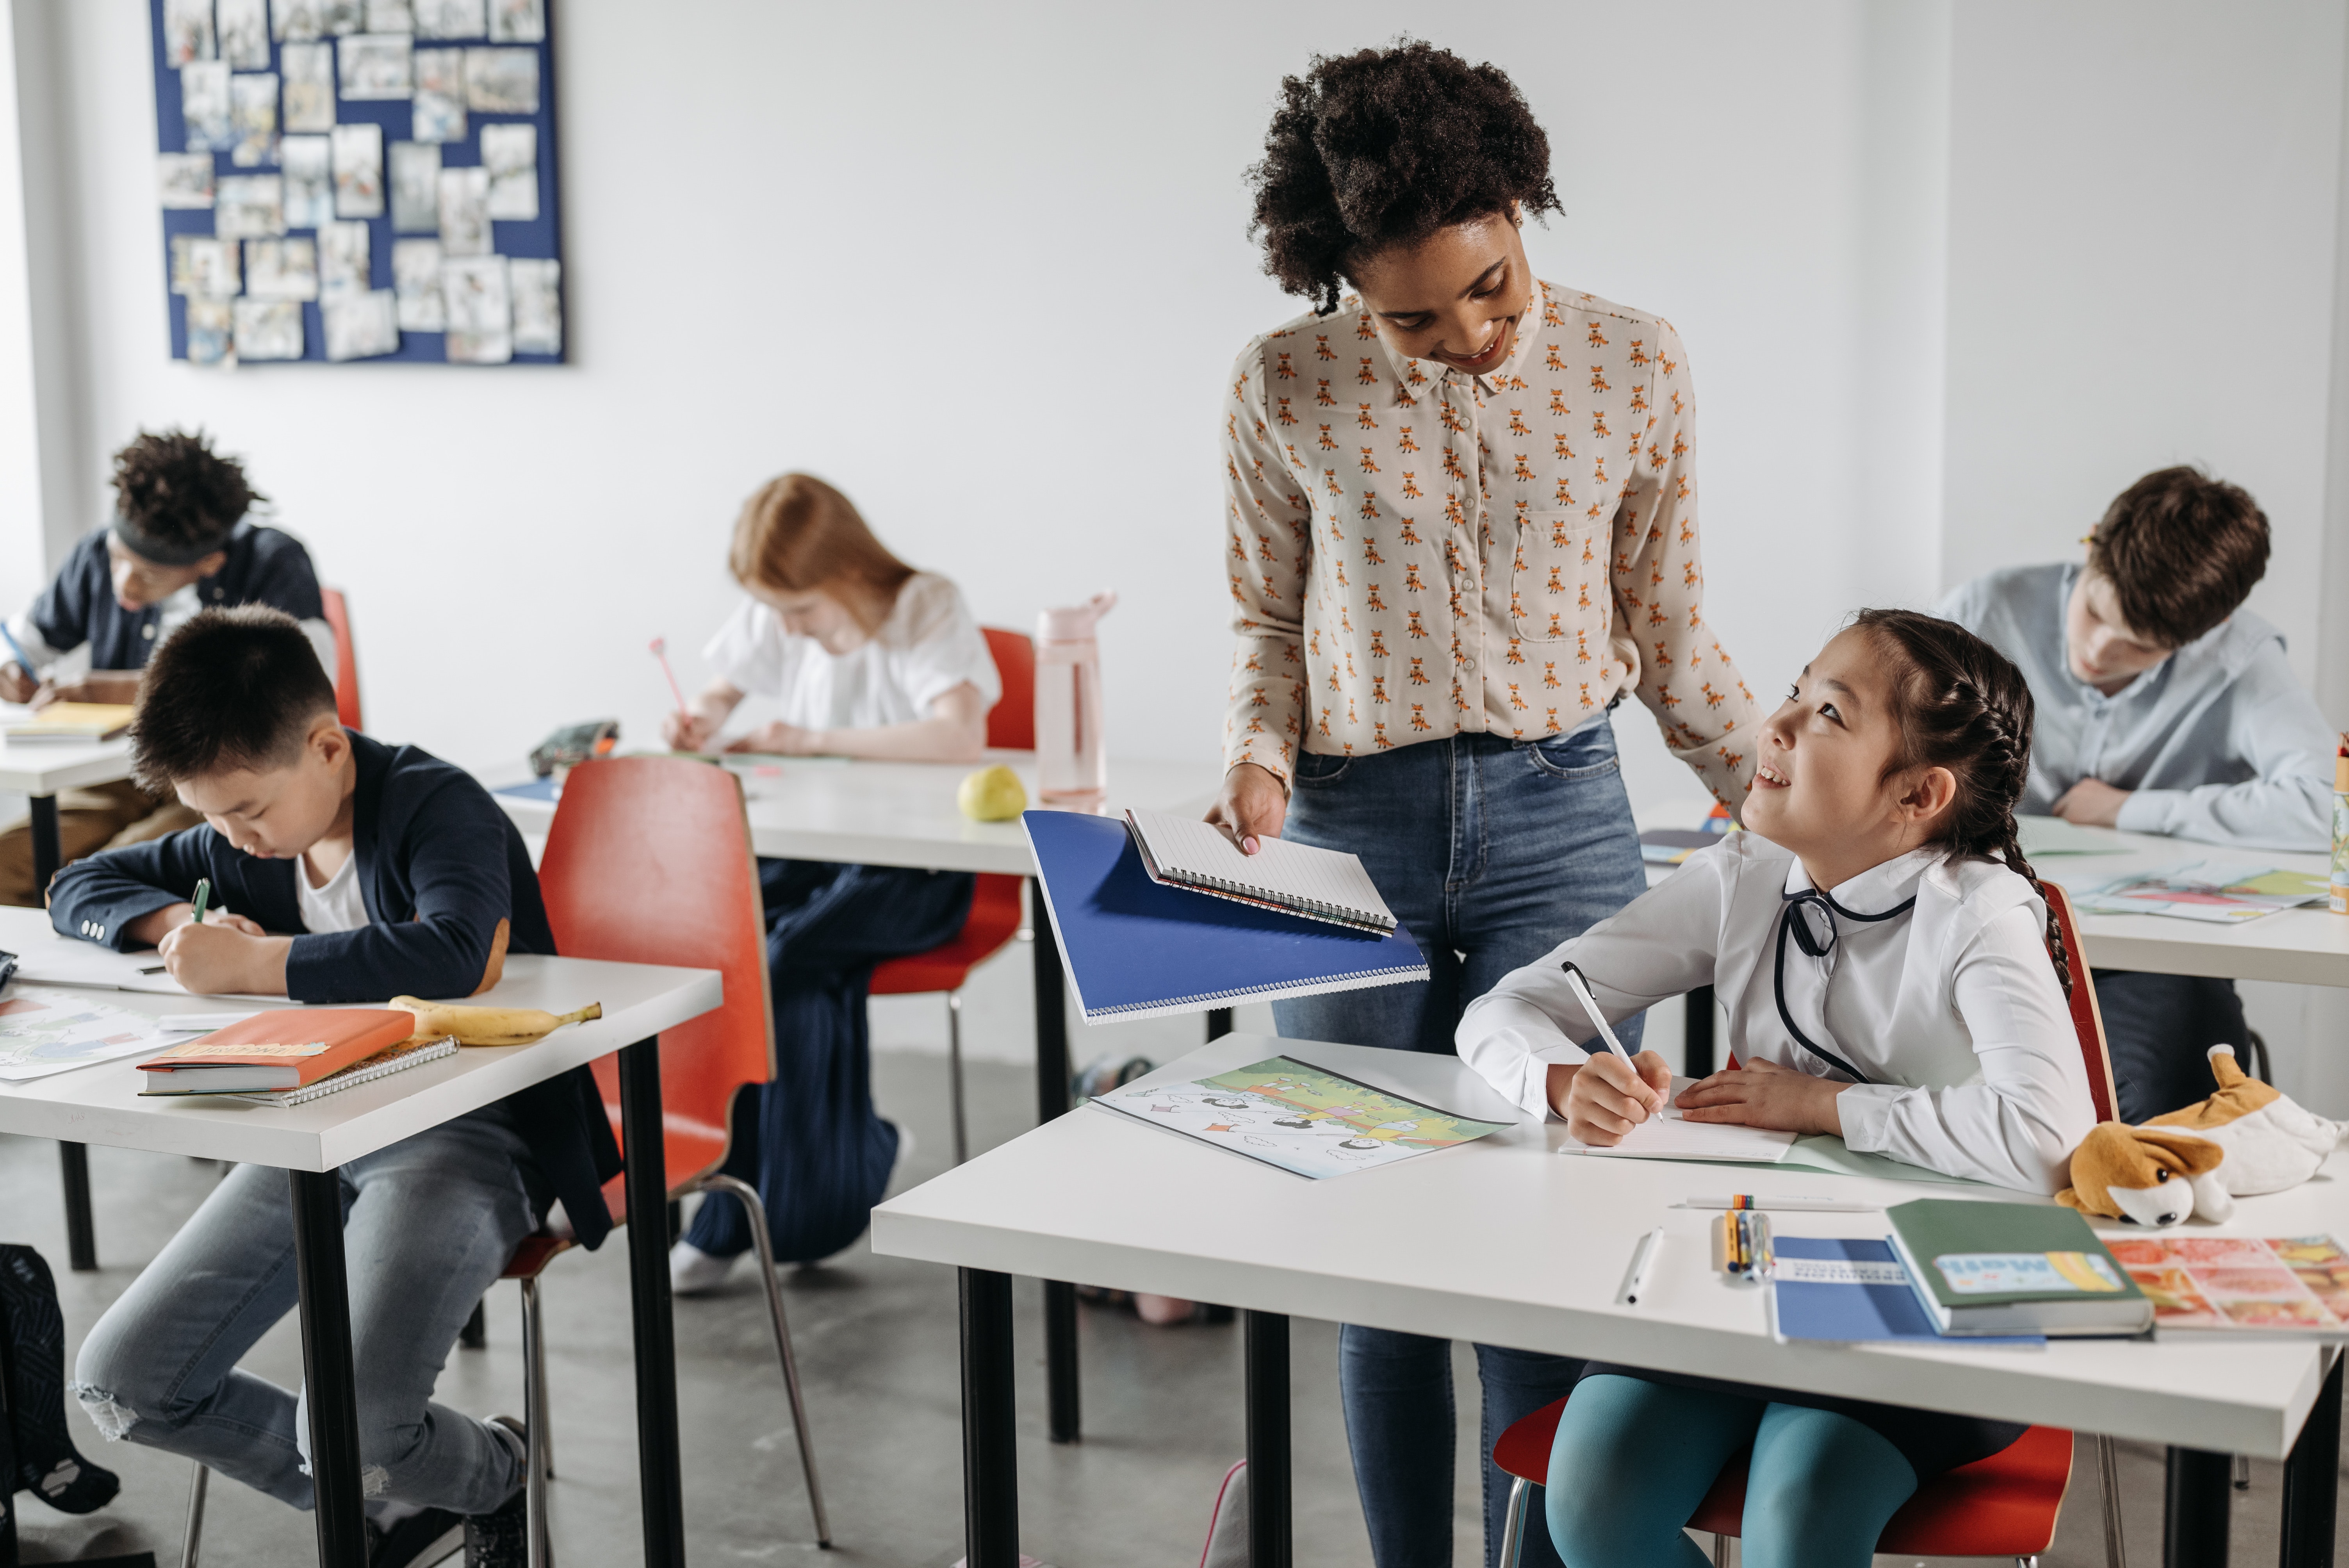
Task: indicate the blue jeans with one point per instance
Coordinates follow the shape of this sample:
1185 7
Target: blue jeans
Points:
428 1226
810 1141
1633 1459
2161 1029
1490 854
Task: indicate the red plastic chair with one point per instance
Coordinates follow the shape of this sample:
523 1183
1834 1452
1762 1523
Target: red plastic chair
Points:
648 862
347 658
2002 1506
995 907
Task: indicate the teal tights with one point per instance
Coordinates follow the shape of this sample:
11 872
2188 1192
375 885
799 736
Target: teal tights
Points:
1633 1459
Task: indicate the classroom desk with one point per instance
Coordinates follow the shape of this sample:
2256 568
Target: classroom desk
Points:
1437 1245
100 1104
41 770
904 814
2303 946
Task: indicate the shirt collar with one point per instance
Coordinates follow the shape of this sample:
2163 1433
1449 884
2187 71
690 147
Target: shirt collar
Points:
1874 890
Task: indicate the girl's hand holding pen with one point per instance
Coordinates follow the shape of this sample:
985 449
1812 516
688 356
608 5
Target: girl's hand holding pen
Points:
1764 1094
1604 1097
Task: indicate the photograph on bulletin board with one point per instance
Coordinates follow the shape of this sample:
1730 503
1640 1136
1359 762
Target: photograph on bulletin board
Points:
358 179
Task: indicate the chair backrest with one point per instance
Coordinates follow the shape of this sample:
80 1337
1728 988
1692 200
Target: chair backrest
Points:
347 658
1011 722
649 861
2086 1017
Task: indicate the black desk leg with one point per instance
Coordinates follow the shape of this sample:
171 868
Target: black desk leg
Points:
327 1377
2199 1490
1268 1440
47 855
660 1473
1053 1101
990 1466
2312 1475
81 1234
1696 1034
1219 1022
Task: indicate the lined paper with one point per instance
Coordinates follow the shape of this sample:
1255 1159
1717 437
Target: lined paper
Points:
1320 885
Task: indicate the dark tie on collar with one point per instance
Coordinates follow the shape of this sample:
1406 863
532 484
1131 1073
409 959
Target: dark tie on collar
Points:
1795 920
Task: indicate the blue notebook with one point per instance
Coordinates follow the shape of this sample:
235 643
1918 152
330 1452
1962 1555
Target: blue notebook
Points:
1134 948
1851 1292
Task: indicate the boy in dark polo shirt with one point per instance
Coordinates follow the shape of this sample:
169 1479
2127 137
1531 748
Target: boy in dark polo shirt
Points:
345 870
180 542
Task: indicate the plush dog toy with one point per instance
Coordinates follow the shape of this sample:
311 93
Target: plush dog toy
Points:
2247 1139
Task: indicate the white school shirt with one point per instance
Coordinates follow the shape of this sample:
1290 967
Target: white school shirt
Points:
1950 1010
927 646
337 906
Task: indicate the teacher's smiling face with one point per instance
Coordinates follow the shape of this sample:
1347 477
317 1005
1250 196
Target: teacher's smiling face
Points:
1458 297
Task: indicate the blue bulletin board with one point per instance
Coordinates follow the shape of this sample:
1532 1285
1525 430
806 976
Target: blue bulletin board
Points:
359 181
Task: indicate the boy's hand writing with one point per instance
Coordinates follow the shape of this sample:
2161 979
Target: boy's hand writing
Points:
1764 1094
16 685
1604 1097
216 958
2091 803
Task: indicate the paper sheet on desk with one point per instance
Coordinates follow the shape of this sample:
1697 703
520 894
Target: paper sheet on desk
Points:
1670 1136
102 968
44 1031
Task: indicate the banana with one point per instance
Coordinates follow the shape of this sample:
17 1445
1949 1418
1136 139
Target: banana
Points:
490 1026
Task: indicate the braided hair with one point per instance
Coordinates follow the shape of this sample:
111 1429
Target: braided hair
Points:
1962 705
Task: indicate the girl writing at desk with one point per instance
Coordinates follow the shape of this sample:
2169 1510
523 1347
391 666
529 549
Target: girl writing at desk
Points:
865 656
1884 953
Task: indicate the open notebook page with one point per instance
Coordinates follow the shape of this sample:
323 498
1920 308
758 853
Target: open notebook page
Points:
1670 1135
1186 850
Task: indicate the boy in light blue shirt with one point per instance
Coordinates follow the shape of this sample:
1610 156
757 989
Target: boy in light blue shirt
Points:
2164 707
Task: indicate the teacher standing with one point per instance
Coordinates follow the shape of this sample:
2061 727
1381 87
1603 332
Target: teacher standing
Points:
1461 509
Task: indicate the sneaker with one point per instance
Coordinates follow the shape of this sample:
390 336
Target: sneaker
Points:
906 1144
501 1538
426 1536
692 1272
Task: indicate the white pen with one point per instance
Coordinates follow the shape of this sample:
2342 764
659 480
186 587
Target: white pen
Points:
1644 1262
1590 1005
1807 1205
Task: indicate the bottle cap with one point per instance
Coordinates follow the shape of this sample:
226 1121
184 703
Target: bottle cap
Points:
1074 622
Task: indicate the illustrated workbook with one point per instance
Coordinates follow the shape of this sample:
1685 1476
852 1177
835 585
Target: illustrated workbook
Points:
1306 1120
2207 891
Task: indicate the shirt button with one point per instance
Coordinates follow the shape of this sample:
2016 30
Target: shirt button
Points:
148 631
1468 666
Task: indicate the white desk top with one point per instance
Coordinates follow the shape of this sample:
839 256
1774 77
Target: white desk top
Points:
100 1104
1505 1241
2307 946
43 768
903 813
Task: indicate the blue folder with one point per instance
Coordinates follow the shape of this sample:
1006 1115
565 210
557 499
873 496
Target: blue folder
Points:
1134 948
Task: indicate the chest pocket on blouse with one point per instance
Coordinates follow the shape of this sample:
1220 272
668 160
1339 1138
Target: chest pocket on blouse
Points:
1557 580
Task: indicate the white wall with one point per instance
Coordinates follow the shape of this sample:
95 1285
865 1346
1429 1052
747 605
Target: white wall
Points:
2143 206
986 270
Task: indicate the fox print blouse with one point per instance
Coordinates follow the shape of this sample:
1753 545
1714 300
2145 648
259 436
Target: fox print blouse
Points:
1414 553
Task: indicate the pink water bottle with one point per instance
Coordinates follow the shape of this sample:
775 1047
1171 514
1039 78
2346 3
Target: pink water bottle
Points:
1072 764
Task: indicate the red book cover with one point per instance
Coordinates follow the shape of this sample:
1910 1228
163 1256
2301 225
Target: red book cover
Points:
306 1042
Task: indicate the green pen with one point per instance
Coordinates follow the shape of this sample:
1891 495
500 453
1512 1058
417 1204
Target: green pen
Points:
203 897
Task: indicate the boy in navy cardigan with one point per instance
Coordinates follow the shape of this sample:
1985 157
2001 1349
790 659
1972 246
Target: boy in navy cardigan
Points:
180 542
345 870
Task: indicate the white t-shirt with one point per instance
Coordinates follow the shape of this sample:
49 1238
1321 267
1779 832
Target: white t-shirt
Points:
927 646
336 906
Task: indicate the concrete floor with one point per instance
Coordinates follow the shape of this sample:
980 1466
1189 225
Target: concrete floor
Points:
877 1340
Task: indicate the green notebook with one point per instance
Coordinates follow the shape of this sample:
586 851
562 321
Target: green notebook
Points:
2015 1268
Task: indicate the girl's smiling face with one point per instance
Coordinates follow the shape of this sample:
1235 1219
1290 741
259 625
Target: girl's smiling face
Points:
1825 786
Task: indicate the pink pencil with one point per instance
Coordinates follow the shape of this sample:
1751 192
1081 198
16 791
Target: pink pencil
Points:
660 652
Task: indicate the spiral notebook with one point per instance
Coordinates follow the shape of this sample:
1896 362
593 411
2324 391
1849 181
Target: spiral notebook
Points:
391 1060
1295 879
1134 948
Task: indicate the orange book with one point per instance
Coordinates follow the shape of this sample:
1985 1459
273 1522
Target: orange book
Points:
287 1048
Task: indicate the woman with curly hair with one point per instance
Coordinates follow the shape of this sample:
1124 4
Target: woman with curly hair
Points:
1462 525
